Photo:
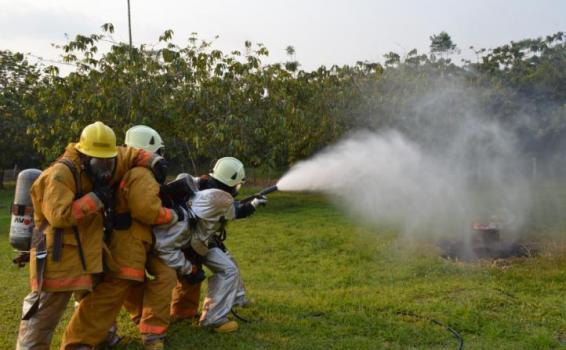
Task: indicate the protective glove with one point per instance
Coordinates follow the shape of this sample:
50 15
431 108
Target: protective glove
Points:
259 200
196 276
159 169
178 191
104 194
193 257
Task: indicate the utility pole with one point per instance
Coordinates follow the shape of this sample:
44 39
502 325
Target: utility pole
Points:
129 23
130 99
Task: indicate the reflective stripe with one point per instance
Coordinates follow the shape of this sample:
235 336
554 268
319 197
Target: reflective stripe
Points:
130 272
164 216
90 203
143 158
147 328
83 282
183 312
77 211
84 206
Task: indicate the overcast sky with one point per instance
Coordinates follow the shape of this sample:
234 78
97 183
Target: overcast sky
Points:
322 31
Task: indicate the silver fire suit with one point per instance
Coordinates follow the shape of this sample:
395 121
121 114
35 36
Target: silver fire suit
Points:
212 209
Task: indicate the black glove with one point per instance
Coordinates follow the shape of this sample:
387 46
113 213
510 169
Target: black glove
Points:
159 169
193 257
104 193
177 191
196 276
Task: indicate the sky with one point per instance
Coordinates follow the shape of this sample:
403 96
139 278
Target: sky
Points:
323 32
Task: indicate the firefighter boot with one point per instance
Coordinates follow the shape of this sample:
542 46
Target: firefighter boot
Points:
157 344
227 327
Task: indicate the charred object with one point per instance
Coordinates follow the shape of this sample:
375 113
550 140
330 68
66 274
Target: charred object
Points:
485 242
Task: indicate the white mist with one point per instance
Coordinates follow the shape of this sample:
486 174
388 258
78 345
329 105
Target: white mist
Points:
425 189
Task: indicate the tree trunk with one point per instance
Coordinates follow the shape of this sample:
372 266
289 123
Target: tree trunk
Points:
189 155
2 179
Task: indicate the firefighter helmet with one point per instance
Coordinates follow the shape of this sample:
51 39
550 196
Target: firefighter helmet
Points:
144 137
229 171
97 140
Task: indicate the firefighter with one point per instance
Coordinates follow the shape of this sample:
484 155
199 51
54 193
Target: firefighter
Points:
138 208
211 208
71 200
149 303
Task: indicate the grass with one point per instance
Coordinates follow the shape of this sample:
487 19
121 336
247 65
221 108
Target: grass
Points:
321 282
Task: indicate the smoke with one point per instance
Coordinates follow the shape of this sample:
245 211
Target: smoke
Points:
431 175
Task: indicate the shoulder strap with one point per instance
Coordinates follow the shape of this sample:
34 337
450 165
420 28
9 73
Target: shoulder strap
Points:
73 169
78 194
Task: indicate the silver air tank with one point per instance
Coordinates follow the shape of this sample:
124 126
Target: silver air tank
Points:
21 225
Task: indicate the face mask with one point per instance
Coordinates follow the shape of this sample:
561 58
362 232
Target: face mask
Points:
102 169
236 190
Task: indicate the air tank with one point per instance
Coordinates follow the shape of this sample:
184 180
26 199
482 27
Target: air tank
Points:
21 226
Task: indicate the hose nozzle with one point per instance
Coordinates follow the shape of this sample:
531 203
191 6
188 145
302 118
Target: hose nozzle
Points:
268 190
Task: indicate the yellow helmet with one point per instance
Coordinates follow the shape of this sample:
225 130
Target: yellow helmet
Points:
229 171
97 140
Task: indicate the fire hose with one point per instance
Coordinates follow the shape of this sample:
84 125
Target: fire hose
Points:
438 323
239 317
261 193
456 335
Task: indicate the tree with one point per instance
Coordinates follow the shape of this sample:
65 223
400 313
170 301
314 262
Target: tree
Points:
207 103
392 59
18 79
292 65
441 44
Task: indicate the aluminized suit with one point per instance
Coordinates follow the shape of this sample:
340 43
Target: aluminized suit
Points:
212 209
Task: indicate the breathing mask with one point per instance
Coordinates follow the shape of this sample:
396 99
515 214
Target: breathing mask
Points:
101 169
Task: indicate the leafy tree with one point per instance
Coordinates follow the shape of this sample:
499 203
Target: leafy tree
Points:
392 59
442 43
207 103
17 81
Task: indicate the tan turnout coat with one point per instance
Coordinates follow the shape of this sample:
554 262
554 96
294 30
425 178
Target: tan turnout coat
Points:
138 195
53 197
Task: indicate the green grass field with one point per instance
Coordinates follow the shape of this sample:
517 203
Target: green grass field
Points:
320 282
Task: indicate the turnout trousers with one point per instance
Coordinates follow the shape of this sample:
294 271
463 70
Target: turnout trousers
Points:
97 312
153 304
148 303
36 333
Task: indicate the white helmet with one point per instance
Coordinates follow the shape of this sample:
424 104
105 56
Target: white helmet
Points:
229 171
144 137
